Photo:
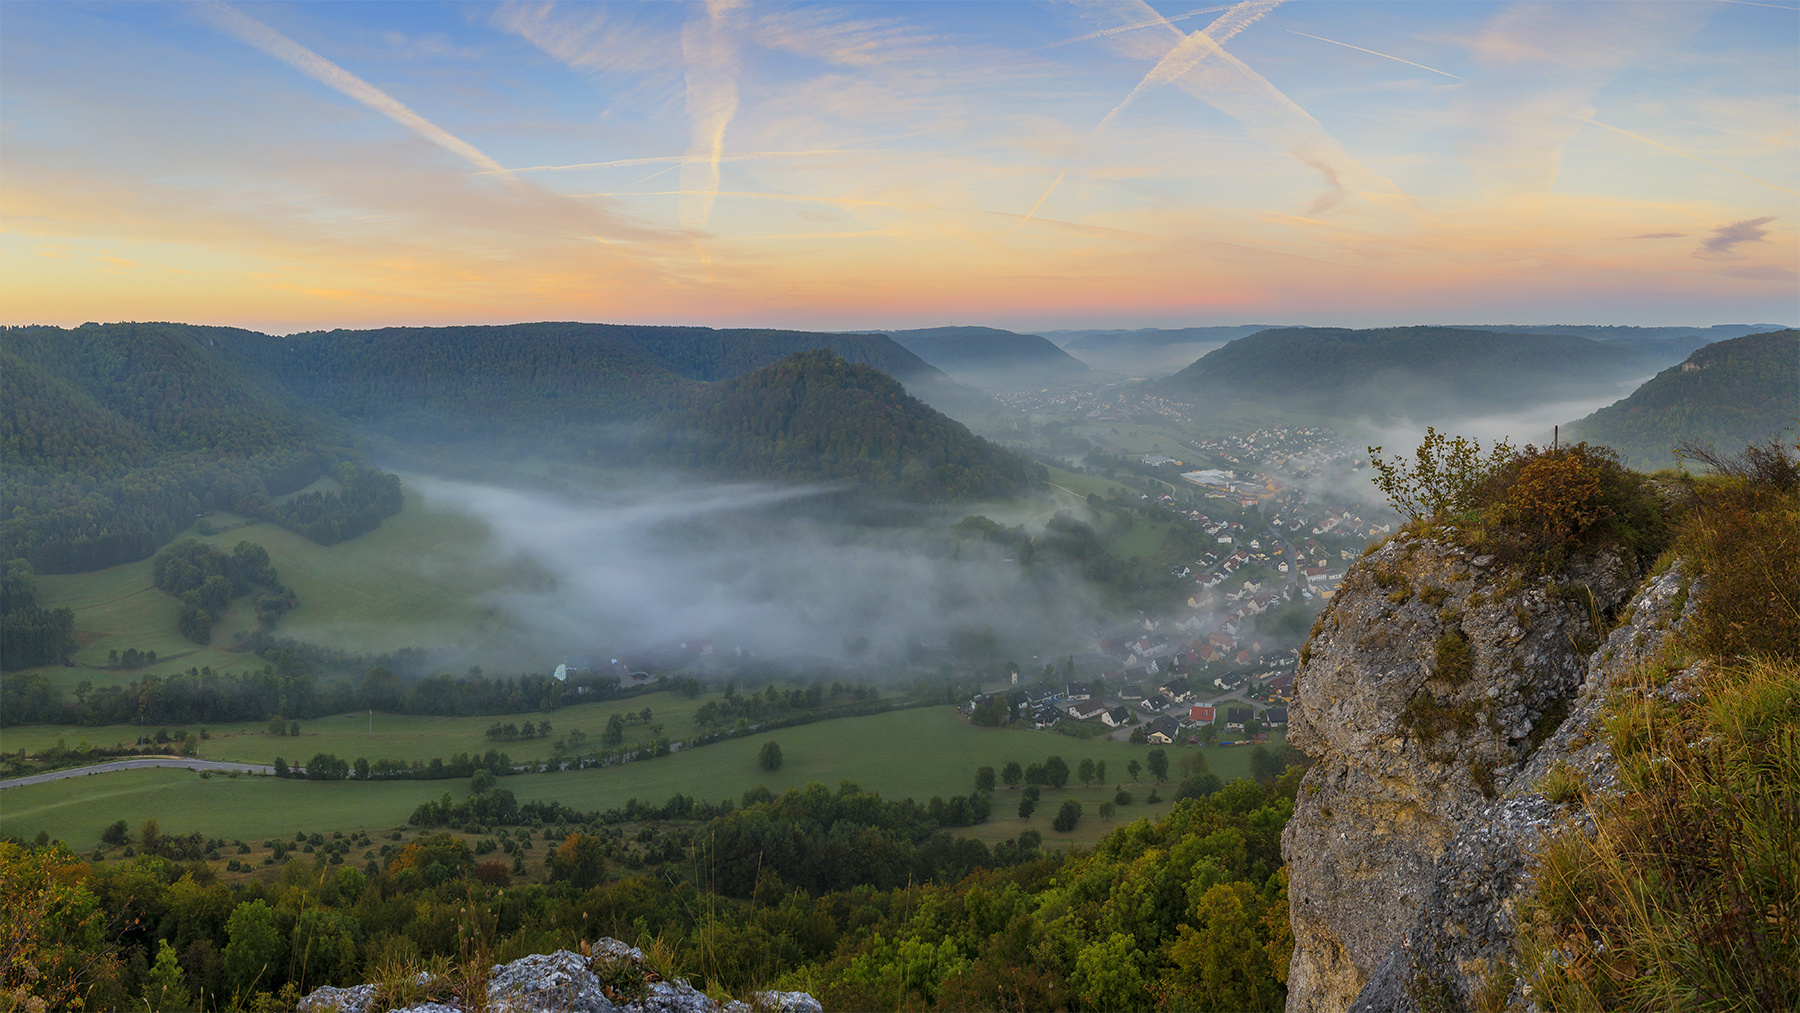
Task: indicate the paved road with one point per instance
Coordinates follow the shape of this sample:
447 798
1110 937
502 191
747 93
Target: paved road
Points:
138 763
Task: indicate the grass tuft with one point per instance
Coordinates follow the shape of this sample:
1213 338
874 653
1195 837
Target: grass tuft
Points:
1687 895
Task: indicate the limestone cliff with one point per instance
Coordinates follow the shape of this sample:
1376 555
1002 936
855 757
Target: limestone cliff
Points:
1436 691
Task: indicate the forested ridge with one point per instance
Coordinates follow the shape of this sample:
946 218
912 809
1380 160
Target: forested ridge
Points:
445 383
1731 393
1413 369
814 416
115 437
978 348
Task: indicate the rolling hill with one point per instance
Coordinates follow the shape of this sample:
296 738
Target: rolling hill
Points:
990 355
1730 393
1416 372
815 416
115 436
1148 351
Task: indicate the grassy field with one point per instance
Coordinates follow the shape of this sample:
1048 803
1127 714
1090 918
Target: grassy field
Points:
395 736
912 753
1082 485
417 580
1144 540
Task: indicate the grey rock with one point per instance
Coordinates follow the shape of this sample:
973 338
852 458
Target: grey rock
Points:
1411 836
785 1002
355 999
567 982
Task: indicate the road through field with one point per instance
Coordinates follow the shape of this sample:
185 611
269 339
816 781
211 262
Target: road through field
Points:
138 763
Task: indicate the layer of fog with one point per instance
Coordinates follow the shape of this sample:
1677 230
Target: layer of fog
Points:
1530 424
753 567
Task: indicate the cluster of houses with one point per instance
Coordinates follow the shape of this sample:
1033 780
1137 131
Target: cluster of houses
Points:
1169 714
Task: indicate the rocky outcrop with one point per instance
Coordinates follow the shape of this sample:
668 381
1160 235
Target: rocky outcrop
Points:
611 978
1436 691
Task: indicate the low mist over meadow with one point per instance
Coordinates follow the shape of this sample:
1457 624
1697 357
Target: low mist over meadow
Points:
752 567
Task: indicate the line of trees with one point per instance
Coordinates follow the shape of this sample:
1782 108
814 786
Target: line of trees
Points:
30 635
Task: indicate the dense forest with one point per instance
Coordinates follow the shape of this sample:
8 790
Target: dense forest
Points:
1731 393
1414 370
29 634
207 581
116 437
815 416
286 686
861 900
434 384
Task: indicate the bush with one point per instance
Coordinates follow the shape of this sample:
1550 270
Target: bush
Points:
1067 816
770 757
1447 476
1742 533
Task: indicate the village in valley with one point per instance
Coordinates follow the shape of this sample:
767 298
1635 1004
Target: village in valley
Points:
1279 530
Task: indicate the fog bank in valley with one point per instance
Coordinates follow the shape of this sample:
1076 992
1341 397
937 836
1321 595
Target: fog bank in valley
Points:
753 566
1532 424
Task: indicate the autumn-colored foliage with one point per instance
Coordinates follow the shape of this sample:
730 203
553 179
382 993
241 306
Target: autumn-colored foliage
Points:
1553 497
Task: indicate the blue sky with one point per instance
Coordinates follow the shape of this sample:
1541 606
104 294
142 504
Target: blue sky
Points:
290 166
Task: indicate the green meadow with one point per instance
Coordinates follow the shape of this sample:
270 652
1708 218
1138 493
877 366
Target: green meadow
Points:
384 736
914 753
419 579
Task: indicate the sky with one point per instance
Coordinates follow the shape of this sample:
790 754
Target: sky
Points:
294 166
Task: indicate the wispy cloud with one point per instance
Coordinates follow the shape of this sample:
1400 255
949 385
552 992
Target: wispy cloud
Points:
737 156
1385 56
247 29
1691 157
841 36
1760 272
1659 235
1195 47
711 52
1542 66
1727 237
1199 65
1155 22
593 38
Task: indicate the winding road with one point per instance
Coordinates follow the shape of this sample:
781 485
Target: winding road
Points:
138 763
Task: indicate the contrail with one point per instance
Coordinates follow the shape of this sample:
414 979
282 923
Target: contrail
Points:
249 30
1040 201
743 156
1753 3
1212 75
1104 32
1371 52
1691 158
759 196
1195 47
712 100
1604 126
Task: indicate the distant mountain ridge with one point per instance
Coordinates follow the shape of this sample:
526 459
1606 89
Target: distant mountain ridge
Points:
115 436
1416 372
1619 332
988 350
1152 337
1730 393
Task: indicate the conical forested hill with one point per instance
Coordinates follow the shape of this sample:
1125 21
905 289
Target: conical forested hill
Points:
816 416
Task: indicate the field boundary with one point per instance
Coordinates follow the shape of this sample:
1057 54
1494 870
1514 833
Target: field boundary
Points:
139 763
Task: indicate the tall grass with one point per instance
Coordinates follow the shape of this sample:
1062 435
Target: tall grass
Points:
1687 894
